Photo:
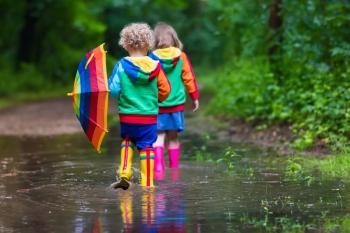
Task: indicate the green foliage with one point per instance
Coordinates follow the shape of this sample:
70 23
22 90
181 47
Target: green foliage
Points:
75 33
202 153
235 94
333 166
51 37
306 85
339 143
28 80
9 10
293 168
319 218
29 85
194 21
60 34
242 27
229 158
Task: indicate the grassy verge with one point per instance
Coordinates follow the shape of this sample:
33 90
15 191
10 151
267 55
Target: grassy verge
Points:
333 166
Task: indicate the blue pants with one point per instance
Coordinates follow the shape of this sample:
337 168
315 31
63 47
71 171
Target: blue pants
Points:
142 134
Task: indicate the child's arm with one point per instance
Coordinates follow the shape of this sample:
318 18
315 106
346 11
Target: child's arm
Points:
114 82
189 80
164 87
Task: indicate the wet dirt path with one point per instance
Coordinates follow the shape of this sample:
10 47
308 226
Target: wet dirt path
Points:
49 117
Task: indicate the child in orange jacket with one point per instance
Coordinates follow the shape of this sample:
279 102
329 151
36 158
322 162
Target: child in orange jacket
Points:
179 71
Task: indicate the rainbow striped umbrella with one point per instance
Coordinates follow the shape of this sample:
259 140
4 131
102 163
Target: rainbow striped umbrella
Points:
90 95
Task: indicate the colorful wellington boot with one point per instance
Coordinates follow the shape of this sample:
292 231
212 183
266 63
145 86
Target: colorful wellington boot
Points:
147 166
159 159
174 155
125 172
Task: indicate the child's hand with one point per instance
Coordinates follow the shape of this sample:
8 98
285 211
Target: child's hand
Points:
195 105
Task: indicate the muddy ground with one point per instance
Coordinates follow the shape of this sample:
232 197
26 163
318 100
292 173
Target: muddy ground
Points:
49 117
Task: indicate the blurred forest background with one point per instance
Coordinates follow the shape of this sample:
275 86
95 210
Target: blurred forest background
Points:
267 61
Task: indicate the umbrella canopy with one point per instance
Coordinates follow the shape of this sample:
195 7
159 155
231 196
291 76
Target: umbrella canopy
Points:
90 95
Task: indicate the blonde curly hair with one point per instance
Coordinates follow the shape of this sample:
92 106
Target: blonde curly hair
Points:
136 36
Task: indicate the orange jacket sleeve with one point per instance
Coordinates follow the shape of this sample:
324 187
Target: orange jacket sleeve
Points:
164 87
188 77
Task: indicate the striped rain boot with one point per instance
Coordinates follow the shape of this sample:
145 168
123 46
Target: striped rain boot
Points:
125 173
147 166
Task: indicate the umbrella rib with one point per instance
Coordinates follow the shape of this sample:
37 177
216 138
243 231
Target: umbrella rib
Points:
93 121
89 60
82 113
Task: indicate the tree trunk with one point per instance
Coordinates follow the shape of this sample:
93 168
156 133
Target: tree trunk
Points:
26 47
275 25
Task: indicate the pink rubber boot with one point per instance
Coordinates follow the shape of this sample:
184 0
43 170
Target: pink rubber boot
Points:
174 155
159 159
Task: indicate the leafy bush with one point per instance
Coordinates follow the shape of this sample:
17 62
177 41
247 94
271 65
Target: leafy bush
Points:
315 103
304 84
242 89
29 79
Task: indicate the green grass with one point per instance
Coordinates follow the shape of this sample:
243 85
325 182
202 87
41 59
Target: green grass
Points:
335 166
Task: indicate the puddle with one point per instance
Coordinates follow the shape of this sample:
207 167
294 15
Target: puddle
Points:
60 184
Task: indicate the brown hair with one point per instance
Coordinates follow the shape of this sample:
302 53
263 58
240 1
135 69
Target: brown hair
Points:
137 36
166 36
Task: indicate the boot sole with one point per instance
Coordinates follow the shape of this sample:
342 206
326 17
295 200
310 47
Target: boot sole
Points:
123 184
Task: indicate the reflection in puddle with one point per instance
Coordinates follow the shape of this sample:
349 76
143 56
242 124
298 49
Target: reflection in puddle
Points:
53 185
157 209
125 198
97 228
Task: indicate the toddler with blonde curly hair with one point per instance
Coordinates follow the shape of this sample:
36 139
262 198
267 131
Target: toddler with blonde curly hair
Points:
140 84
